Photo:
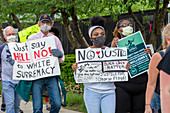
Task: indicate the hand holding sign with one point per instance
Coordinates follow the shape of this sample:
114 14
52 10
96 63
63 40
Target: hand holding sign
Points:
74 66
57 53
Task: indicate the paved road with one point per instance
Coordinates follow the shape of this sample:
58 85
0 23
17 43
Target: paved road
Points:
27 108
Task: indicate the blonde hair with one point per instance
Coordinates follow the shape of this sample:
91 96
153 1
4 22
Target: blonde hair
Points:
165 34
116 33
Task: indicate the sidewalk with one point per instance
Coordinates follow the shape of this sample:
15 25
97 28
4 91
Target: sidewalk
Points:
28 108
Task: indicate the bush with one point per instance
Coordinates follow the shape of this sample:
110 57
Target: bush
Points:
67 75
74 98
66 69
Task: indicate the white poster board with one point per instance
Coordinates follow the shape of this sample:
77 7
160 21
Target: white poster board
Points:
101 65
33 59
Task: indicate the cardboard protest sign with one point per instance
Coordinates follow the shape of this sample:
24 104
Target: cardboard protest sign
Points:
25 33
139 60
101 65
33 59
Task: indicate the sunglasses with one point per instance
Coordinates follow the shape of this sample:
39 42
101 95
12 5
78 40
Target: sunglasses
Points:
125 25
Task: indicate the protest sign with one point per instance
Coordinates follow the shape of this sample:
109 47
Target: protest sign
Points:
139 60
33 59
101 65
25 33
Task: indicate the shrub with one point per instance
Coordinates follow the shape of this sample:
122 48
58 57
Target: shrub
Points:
66 69
67 75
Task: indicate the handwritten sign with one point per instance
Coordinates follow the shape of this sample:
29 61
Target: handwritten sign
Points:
33 59
139 60
101 65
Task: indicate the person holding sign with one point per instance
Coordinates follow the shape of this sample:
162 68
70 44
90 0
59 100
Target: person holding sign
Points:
98 95
45 23
130 95
55 32
12 99
153 86
164 67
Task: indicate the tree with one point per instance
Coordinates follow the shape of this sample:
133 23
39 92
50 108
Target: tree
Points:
70 12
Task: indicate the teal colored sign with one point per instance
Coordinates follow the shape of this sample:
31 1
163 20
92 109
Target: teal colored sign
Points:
139 60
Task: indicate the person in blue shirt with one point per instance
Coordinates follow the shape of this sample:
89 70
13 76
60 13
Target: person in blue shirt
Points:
12 99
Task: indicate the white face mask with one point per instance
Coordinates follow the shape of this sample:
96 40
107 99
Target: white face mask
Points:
11 38
45 27
127 31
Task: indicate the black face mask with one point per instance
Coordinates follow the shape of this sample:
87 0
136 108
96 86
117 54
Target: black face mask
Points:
99 41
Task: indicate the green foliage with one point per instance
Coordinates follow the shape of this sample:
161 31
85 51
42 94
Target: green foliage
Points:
68 77
66 69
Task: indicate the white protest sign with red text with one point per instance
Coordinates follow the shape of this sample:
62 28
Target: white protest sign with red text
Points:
33 59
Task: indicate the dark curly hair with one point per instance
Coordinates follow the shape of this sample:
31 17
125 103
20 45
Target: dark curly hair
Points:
97 20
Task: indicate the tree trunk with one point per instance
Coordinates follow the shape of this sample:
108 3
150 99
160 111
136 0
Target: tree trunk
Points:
53 12
17 21
77 29
73 41
1 35
158 22
154 36
137 22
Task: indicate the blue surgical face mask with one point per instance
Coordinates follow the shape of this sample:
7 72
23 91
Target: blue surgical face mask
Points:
99 41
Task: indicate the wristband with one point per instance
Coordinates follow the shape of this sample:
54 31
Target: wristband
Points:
147 104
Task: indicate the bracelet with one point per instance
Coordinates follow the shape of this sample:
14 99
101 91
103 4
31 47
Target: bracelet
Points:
147 104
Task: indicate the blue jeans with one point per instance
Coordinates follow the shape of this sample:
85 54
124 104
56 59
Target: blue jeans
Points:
53 94
12 99
156 102
95 101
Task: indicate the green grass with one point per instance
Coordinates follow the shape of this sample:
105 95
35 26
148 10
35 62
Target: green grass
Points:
75 102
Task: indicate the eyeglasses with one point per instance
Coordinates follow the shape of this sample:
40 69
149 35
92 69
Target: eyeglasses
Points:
48 23
125 25
10 34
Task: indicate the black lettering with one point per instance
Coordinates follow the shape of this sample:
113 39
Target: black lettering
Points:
33 45
19 74
80 55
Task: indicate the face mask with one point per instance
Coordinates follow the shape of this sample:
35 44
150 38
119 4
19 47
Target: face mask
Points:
45 27
127 31
11 38
99 41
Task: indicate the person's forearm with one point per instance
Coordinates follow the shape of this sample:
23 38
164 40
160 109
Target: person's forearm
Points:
149 95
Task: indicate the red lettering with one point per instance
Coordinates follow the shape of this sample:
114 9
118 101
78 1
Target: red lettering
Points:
46 53
22 57
26 54
50 51
37 54
17 56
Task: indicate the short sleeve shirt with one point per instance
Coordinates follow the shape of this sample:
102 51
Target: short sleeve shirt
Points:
164 64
